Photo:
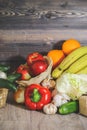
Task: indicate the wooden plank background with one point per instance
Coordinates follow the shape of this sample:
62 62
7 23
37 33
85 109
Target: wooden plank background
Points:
32 21
35 25
29 25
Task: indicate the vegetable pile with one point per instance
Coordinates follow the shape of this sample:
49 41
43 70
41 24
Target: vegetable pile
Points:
41 86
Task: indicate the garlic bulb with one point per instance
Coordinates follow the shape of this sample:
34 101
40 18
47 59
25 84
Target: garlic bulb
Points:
49 83
60 99
50 109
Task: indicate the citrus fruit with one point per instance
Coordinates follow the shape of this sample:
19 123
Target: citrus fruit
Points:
57 56
70 45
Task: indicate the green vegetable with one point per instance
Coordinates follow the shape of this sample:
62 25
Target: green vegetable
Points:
4 68
69 107
73 85
13 77
4 83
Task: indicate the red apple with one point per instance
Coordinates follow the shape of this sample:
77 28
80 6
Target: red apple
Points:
32 57
38 67
24 71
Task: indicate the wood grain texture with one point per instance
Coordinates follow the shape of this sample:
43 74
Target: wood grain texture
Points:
43 14
16 45
27 26
42 21
16 117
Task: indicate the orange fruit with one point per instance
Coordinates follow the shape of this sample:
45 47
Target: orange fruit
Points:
57 56
70 45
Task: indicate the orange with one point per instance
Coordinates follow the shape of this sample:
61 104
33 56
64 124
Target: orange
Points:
57 56
70 45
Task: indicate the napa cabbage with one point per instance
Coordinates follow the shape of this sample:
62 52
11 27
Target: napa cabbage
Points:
74 85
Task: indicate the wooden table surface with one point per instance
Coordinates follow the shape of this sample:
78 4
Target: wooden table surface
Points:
38 25
17 117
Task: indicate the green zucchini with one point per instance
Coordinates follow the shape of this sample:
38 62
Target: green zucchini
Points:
4 68
4 83
69 107
13 77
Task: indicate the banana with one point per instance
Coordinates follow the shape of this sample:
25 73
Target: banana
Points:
78 65
82 71
68 60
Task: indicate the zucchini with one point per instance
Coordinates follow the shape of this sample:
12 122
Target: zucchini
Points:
69 107
4 68
4 83
13 77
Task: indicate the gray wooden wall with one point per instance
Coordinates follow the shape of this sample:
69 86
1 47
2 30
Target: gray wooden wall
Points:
39 25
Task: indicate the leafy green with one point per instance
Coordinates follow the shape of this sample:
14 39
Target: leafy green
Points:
73 85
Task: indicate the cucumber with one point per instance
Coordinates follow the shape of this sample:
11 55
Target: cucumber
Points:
69 107
13 77
4 68
4 83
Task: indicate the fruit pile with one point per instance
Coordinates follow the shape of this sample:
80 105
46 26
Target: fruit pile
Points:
36 87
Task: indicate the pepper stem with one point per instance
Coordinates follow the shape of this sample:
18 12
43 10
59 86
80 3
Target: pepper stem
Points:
35 96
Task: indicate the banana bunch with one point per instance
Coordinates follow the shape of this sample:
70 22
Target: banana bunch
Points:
75 62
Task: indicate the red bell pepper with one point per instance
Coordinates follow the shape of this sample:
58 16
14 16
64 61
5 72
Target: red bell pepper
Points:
37 96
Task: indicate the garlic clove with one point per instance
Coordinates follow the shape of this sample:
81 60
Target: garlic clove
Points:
50 109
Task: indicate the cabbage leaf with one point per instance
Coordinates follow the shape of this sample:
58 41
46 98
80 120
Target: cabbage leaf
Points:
74 85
